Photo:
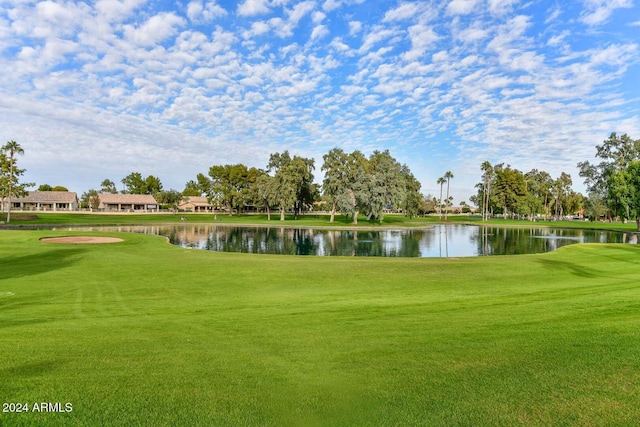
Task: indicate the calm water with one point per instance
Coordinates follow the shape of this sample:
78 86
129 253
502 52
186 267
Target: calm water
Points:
438 241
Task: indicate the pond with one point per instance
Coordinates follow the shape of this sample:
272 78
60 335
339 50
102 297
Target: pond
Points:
451 240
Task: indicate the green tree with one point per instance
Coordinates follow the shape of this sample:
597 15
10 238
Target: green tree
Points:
633 177
487 177
616 153
227 183
539 186
152 184
561 188
135 184
89 200
266 191
347 182
336 177
413 199
448 176
510 186
169 198
45 187
441 182
595 206
293 181
9 173
108 186
385 185
191 188
429 204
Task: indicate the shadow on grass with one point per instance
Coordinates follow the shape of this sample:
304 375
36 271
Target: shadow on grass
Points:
28 370
575 269
13 267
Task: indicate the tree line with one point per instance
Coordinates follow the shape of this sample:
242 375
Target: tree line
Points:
509 192
613 187
613 184
354 184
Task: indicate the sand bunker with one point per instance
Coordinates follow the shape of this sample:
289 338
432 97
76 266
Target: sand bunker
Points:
81 239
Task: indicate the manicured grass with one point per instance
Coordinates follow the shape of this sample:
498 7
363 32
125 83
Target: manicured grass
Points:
144 333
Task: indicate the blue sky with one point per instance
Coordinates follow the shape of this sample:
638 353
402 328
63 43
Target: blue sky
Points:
100 89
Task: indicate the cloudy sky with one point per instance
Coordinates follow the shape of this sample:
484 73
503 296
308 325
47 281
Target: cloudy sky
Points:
99 89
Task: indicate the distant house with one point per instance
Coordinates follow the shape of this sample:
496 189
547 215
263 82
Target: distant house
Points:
127 202
46 201
195 204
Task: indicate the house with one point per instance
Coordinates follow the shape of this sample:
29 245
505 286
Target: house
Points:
127 202
195 204
46 201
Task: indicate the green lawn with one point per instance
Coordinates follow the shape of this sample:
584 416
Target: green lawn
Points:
145 333
306 220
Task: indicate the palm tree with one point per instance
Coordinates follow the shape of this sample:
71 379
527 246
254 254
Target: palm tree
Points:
487 170
441 181
13 148
448 177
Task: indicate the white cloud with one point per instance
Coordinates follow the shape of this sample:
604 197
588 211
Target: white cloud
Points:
553 14
117 10
422 37
402 12
354 27
501 7
300 10
461 7
597 12
310 76
157 29
253 8
319 32
200 12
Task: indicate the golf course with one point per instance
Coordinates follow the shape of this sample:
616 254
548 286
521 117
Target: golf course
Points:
140 332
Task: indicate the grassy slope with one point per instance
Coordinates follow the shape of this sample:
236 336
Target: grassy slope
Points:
144 333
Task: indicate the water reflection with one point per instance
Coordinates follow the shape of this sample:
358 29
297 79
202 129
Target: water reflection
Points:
437 241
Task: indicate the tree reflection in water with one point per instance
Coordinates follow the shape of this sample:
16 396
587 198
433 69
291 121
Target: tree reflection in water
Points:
449 240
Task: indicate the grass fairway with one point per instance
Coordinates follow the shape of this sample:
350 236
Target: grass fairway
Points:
144 333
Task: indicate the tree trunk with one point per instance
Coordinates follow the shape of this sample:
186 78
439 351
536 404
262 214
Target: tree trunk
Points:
281 214
268 213
9 209
10 189
355 217
333 212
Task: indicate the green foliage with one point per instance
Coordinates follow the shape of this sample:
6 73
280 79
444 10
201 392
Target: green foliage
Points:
191 188
231 185
510 192
108 186
386 185
89 199
169 198
608 178
10 185
412 199
510 186
346 182
135 184
293 182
